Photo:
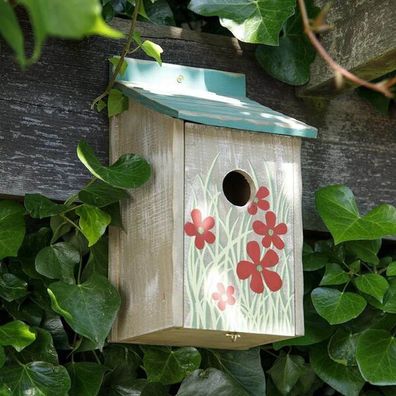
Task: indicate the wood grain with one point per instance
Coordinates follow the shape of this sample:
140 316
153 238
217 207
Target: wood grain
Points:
363 40
45 111
146 258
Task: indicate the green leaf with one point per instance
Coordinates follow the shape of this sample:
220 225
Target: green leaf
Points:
162 364
342 347
122 357
376 357
36 378
2 360
12 228
244 367
114 61
11 287
70 19
152 50
286 371
389 301
86 378
252 21
93 222
346 380
53 324
42 349
313 260
59 227
11 31
334 275
114 210
40 207
101 194
159 12
366 251
374 285
89 308
98 259
290 61
117 102
16 334
28 312
100 105
337 208
391 270
129 171
336 306
58 261
209 382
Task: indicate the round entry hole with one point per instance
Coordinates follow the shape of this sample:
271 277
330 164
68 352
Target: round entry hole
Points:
237 187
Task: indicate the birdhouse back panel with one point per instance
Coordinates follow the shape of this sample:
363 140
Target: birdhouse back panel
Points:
242 233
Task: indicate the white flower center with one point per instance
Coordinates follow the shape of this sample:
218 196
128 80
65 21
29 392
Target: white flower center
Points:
270 232
201 230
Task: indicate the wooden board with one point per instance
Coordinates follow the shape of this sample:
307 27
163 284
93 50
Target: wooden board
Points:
45 111
363 41
146 258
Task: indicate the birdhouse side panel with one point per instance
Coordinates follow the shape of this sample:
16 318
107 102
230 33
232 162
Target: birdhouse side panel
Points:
146 254
240 258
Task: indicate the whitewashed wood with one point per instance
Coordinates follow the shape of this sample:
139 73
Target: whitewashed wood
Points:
243 150
204 339
146 259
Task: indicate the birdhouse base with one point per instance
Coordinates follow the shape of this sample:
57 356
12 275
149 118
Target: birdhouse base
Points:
204 338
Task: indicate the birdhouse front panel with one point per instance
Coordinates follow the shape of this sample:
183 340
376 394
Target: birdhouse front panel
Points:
242 233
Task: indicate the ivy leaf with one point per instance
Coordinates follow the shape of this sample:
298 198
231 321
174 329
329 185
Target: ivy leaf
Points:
129 171
344 379
11 31
114 210
101 194
391 270
70 19
42 349
36 378
170 366
12 228
334 275
117 102
98 259
159 12
152 50
40 207
290 61
342 347
100 105
53 324
58 261
16 334
2 359
376 357
244 367
93 222
336 306
89 308
86 378
209 382
114 61
389 301
11 287
251 21
337 208
286 371
374 285
366 251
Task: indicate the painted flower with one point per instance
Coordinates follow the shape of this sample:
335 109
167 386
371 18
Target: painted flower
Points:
200 229
271 231
257 269
259 201
224 296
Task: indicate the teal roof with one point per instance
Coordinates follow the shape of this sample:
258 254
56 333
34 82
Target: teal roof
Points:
204 96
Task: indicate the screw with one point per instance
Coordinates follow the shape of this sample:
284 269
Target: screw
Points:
180 78
233 336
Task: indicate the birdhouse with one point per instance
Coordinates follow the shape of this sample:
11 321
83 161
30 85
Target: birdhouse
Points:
210 250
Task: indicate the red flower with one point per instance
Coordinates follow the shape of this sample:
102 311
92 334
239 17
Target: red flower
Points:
270 230
200 229
259 201
257 269
224 296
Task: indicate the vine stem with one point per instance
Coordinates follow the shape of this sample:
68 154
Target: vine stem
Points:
382 86
124 52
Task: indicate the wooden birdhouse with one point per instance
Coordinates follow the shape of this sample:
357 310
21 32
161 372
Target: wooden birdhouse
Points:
210 253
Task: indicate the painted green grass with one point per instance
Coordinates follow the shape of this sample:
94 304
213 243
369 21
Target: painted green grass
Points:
269 312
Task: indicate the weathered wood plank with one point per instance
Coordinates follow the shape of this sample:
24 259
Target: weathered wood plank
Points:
45 111
363 41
